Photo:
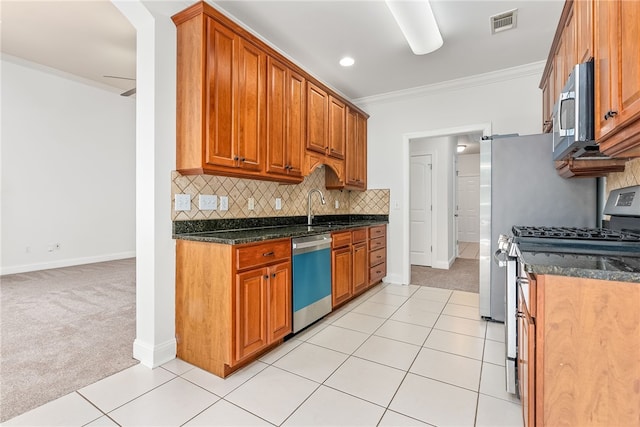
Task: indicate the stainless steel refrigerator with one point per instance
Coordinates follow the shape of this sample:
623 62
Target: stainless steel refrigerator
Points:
520 186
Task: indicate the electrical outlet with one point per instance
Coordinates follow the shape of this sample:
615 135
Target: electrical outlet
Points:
278 203
183 202
337 204
252 203
207 202
224 203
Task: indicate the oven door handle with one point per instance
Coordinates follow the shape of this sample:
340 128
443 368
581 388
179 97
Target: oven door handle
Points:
501 262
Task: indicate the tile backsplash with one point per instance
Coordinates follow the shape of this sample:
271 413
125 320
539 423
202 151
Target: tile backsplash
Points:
630 176
264 193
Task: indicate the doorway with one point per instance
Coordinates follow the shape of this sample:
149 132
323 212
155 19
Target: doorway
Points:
468 196
420 206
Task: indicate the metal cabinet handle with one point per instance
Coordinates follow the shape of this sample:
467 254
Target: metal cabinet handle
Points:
520 315
379 256
378 271
269 254
610 114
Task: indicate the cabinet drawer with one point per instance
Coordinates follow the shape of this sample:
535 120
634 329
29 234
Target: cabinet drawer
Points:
377 273
359 235
377 243
377 256
255 255
340 239
377 231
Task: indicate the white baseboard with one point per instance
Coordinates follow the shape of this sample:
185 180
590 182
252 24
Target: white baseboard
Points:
153 356
394 279
25 268
443 265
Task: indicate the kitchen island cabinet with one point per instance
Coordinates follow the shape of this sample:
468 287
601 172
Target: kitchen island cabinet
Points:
233 302
579 351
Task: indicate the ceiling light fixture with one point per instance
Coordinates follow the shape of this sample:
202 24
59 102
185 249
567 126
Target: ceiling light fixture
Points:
347 61
460 148
416 20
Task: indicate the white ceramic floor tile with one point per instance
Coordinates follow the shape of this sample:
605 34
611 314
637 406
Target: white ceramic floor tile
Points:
393 419
425 305
476 328
223 386
450 342
102 422
118 389
388 299
171 404
284 348
178 366
466 311
435 402
449 368
359 322
495 331
67 410
402 290
433 294
223 413
312 362
367 380
405 332
375 309
273 394
329 407
494 412
492 383
494 352
465 298
388 352
339 339
415 316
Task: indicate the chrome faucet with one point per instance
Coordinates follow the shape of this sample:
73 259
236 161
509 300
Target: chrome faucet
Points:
309 216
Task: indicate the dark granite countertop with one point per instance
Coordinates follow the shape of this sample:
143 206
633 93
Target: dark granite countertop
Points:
618 268
237 231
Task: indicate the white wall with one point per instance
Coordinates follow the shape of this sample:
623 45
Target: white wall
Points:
468 164
509 100
68 170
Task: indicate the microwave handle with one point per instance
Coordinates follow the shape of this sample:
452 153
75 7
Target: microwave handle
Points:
564 96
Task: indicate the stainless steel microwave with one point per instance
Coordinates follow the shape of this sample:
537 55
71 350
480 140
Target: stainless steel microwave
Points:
573 115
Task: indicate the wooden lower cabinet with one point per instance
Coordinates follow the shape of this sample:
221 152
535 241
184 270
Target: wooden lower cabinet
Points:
579 352
360 267
233 302
341 284
377 253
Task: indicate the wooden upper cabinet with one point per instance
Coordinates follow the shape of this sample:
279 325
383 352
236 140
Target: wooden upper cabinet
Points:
337 128
317 119
583 16
356 157
285 120
617 54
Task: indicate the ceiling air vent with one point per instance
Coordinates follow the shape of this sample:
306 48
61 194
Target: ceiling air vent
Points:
504 21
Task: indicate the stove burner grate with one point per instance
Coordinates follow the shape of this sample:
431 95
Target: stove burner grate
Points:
575 233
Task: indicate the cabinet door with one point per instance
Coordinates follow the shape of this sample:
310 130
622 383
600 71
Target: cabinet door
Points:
583 11
337 128
341 289
276 117
629 73
279 297
360 267
606 72
361 158
526 361
250 105
296 121
351 163
548 102
317 119
220 149
250 317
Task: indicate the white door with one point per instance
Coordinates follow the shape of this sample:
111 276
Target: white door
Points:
420 210
469 208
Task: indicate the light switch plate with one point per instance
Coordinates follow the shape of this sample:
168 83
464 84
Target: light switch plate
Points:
252 203
183 202
337 204
207 202
278 203
224 203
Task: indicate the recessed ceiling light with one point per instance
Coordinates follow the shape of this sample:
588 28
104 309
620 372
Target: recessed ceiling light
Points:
347 61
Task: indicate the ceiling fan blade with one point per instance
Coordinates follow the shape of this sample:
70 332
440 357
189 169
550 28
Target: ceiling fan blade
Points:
129 92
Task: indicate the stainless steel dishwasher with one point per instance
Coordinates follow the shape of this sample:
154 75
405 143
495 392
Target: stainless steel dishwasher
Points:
311 279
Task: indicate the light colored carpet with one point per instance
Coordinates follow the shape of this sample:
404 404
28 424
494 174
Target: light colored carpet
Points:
63 329
464 275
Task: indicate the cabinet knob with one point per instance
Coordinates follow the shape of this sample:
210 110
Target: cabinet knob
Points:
610 114
242 159
273 275
266 276
235 158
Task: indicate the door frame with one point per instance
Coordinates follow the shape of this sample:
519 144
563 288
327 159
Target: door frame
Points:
485 128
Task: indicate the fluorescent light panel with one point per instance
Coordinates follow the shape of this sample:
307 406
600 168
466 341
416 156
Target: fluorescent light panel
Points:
417 23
